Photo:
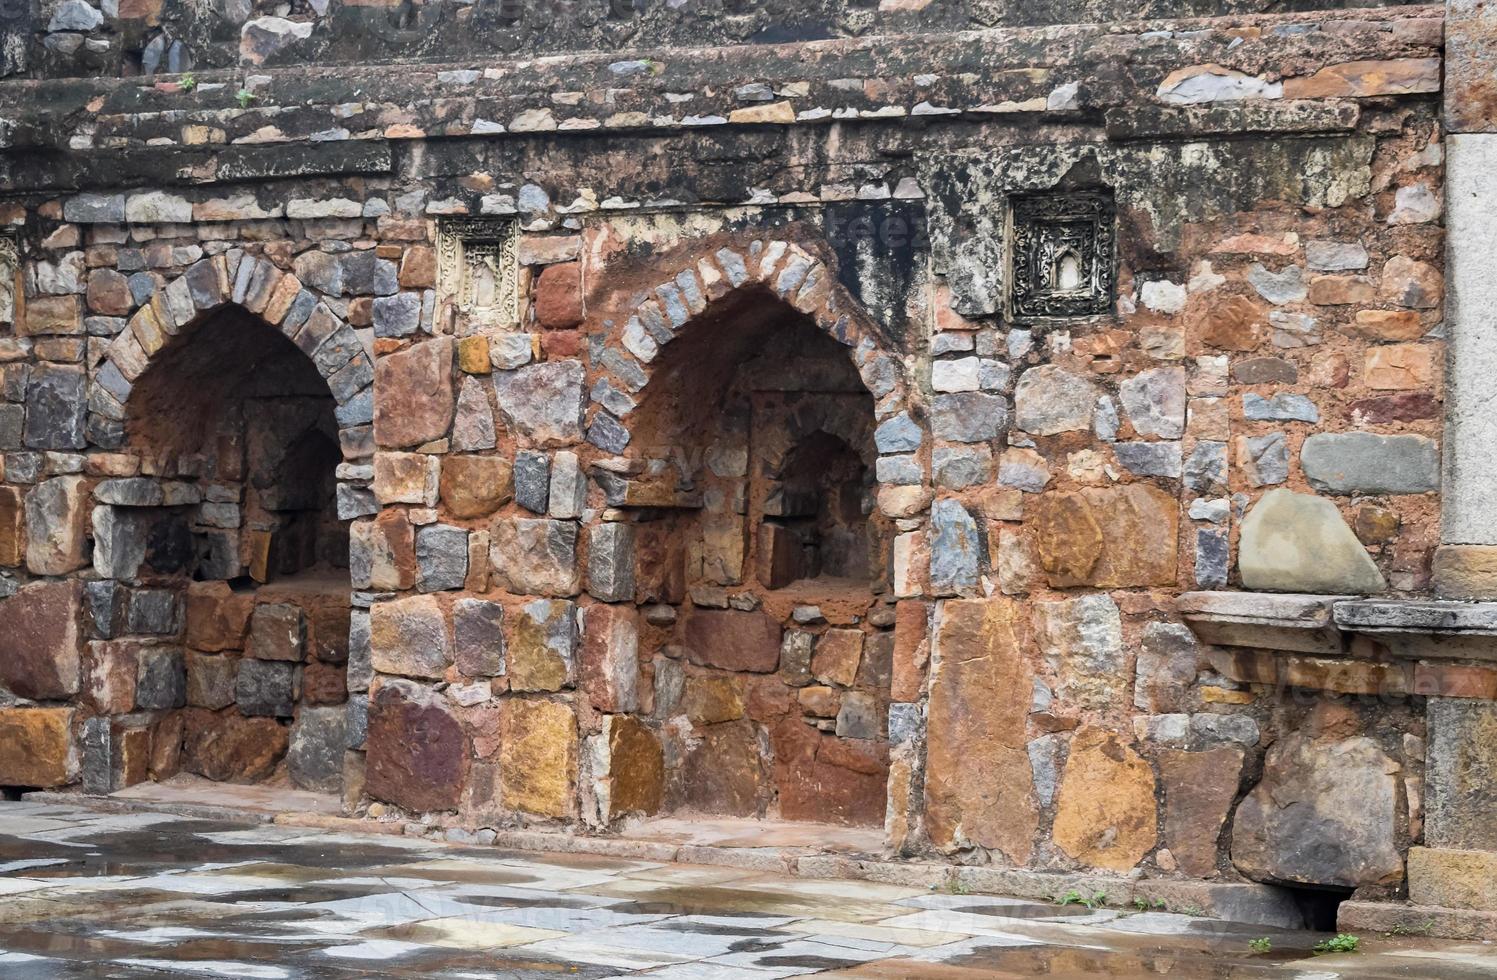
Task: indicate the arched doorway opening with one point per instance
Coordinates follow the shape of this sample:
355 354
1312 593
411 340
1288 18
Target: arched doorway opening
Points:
230 526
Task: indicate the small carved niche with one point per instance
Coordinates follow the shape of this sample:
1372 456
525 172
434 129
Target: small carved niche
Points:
1063 255
478 271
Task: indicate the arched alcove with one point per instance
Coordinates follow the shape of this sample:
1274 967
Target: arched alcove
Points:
232 519
815 517
234 405
771 684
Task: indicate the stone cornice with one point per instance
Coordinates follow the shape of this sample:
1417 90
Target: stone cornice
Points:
1278 62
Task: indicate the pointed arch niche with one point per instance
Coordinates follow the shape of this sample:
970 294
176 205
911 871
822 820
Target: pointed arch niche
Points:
762 559
234 394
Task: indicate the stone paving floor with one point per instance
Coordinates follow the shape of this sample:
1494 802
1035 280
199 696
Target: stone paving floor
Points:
92 894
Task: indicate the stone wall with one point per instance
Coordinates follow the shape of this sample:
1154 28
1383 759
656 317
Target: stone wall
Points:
1080 320
76 38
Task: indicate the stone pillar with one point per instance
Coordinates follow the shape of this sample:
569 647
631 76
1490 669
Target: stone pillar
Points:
1466 562
1458 866
1465 565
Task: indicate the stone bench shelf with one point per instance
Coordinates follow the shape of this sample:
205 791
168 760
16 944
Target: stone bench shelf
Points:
1265 620
1357 645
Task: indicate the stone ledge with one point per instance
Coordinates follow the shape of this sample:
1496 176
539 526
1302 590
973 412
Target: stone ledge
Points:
1411 629
1278 621
195 811
1402 919
1414 616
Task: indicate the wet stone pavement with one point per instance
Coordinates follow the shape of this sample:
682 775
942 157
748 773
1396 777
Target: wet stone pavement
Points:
91 894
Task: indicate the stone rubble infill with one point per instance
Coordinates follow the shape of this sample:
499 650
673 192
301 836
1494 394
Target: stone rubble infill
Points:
1231 902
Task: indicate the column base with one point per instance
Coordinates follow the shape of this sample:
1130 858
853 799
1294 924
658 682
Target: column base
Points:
1452 895
1453 878
1466 571
1402 919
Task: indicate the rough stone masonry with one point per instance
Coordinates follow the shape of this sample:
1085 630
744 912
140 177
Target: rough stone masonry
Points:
985 421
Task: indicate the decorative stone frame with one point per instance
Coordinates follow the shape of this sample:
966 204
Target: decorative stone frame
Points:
10 276
1044 229
460 242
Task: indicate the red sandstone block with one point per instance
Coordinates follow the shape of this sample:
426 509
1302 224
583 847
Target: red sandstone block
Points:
558 296
1455 681
609 672
910 619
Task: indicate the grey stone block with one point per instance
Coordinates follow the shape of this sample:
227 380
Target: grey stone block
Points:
532 480
478 633
858 716
98 757
441 557
1150 458
360 666
154 612
1362 462
954 548
315 757
56 407
210 680
105 602
160 679
906 723
356 721
968 416
266 687
1213 558
610 562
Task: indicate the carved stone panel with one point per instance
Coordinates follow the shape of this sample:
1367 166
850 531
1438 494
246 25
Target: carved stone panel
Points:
9 265
1063 255
477 271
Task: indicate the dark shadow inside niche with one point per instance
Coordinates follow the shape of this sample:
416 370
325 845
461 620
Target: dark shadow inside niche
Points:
815 521
233 405
694 372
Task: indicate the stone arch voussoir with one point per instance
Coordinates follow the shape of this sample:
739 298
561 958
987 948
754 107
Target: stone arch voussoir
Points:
800 279
255 284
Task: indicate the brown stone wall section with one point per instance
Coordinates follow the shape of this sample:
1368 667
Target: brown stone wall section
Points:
978 788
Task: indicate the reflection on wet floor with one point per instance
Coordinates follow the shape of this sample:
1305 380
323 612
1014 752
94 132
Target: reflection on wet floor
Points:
89 894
